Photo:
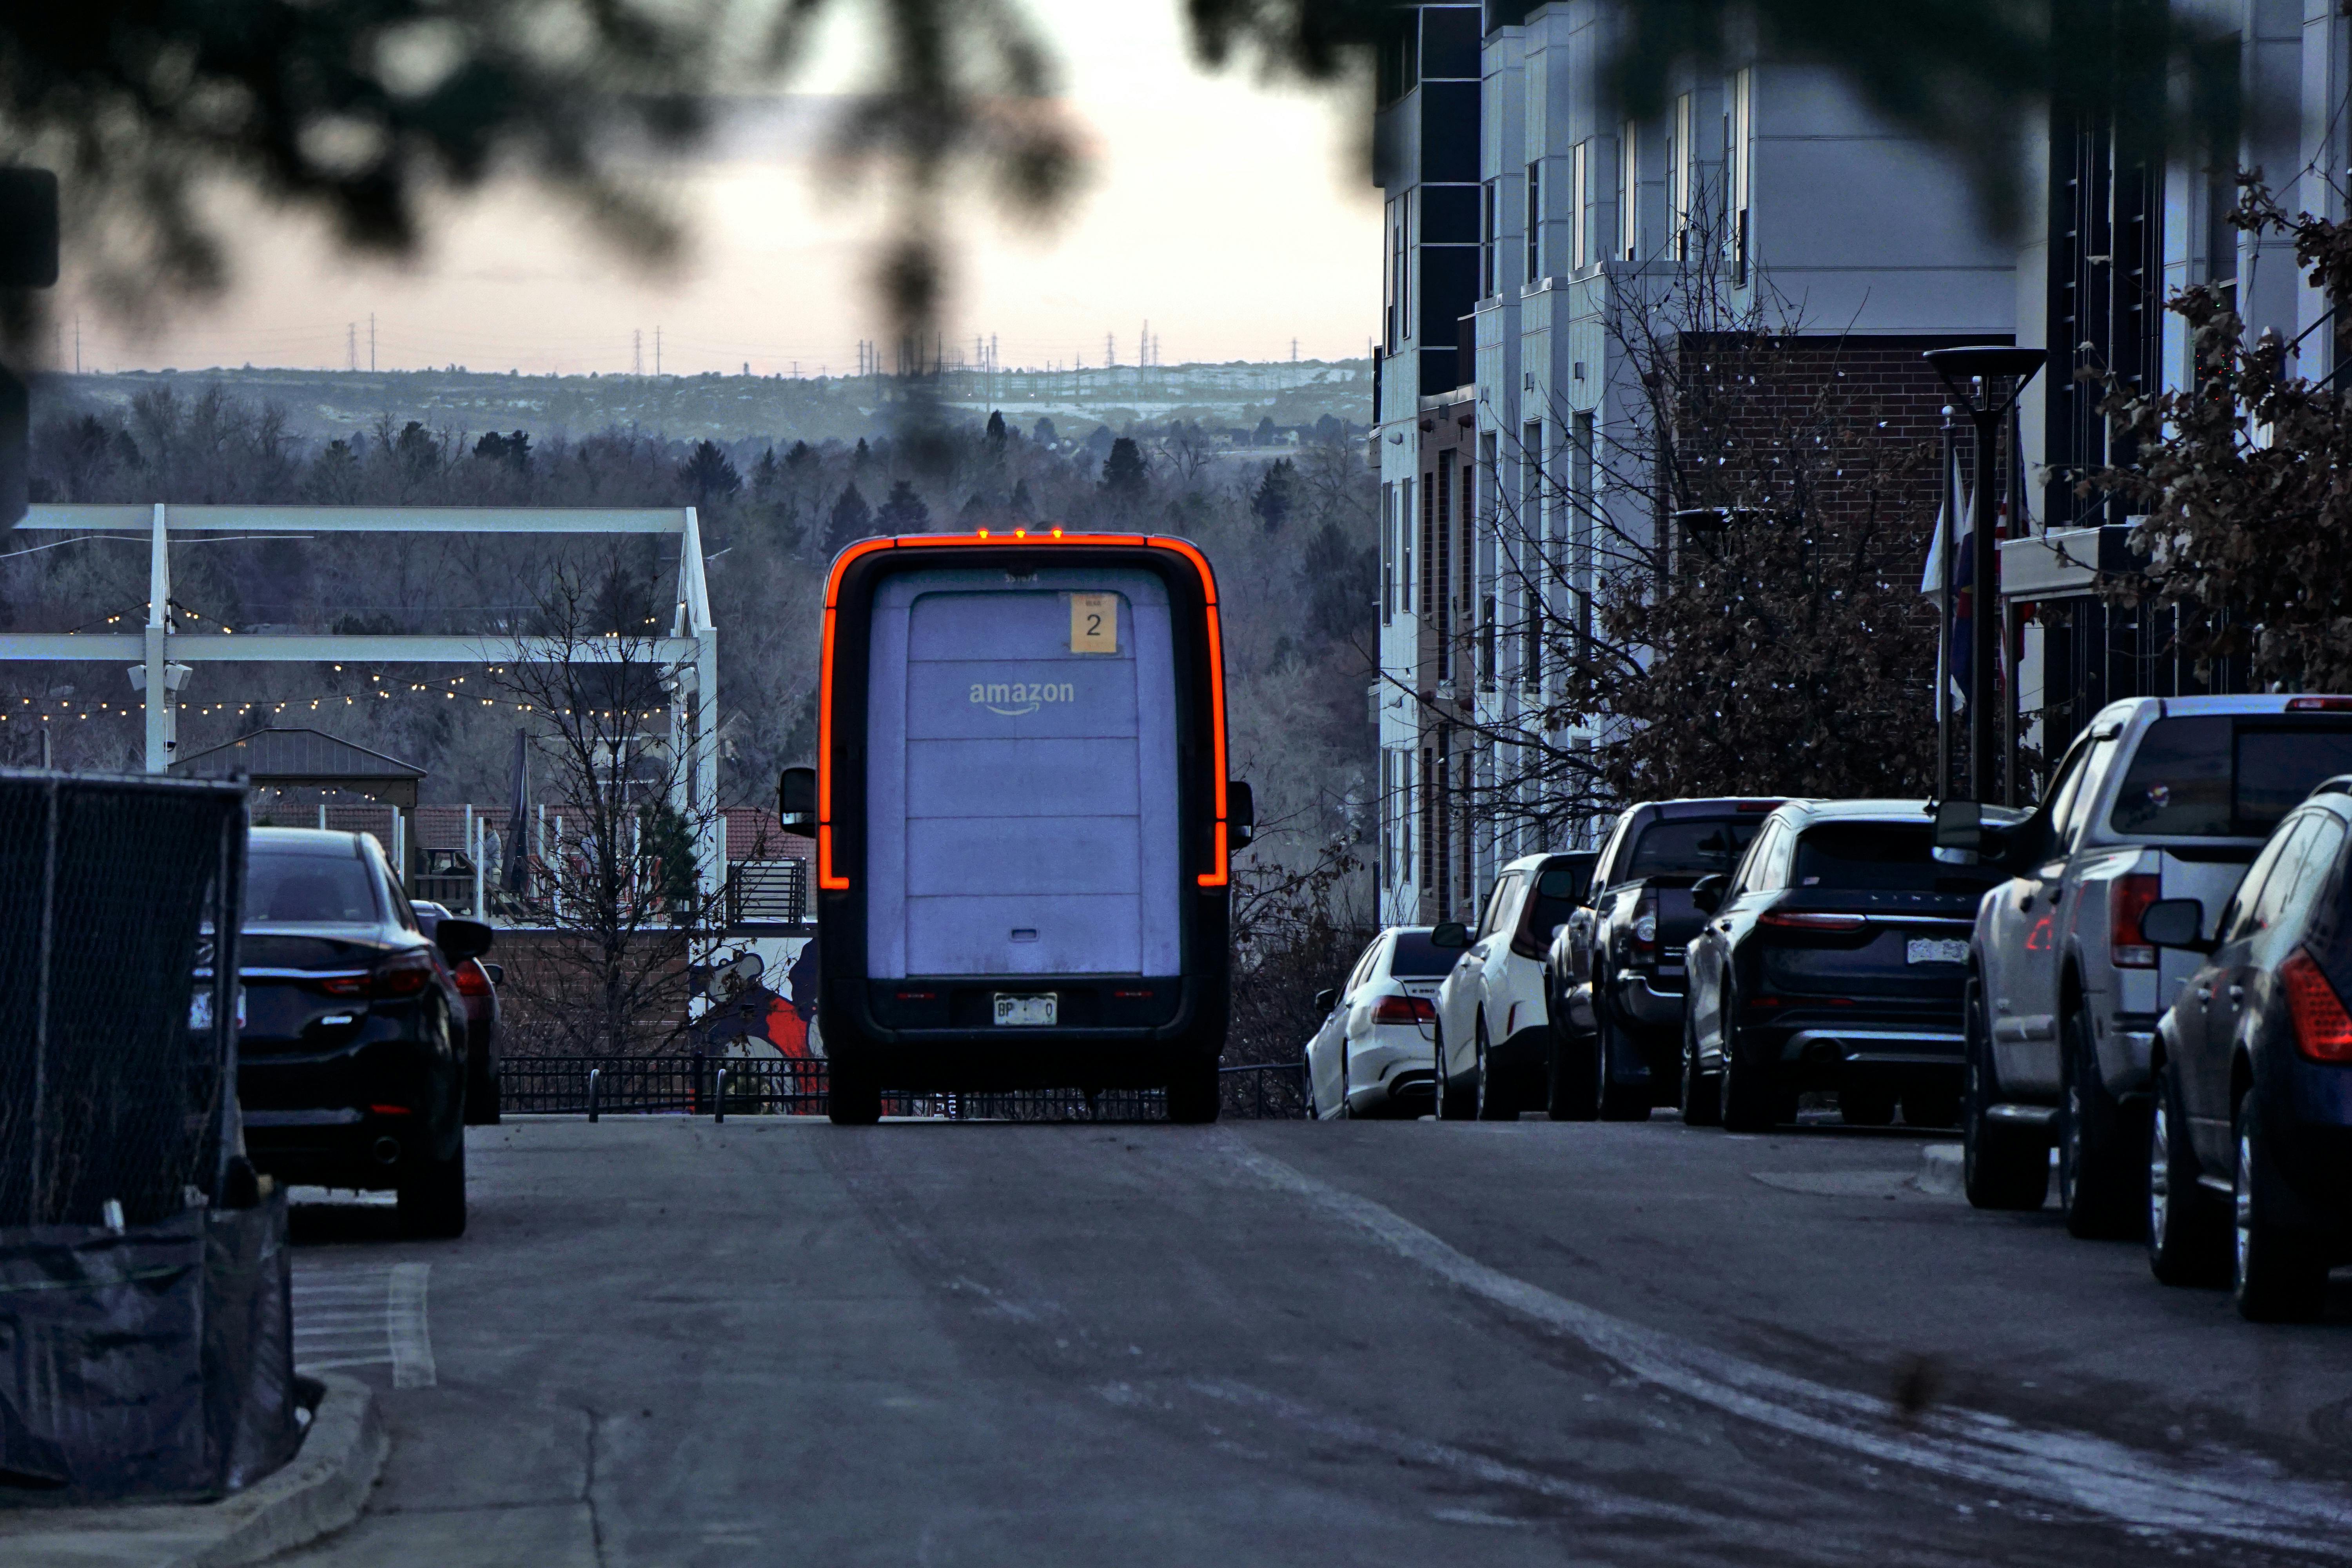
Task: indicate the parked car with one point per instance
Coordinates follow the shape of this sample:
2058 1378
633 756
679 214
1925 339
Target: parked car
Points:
1375 1052
2160 797
478 983
352 1051
1620 959
1494 1031
1835 957
2254 1072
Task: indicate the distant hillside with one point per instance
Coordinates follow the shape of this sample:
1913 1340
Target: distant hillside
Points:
322 404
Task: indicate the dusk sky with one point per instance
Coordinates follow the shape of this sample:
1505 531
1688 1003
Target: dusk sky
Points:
1232 217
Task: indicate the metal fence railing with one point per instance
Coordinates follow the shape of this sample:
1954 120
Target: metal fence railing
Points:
794 1085
767 890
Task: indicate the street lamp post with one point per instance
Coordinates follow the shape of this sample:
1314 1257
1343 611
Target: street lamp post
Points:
1984 381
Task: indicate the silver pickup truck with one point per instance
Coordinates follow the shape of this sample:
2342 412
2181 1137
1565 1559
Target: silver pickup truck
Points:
2160 797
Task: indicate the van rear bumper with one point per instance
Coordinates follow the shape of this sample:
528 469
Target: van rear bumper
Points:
970 1064
1111 1031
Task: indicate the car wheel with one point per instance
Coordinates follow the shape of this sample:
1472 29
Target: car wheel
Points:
1865 1105
1492 1104
1455 1100
1618 1101
1192 1094
2099 1168
1568 1079
852 1099
1748 1098
1702 1103
2001 1167
433 1197
2188 1233
2279 1274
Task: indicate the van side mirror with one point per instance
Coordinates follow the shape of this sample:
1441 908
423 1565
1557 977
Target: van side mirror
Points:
2176 923
1708 890
1959 824
1325 1000
1449 933
796 801
1240 814
460 940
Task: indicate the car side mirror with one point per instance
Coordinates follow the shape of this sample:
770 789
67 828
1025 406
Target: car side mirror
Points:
796 801
1325 1000
1449 933
1959 824
1708 890
460 939
1240 814
2176 923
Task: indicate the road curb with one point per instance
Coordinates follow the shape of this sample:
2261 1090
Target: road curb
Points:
1940 1170
321 1489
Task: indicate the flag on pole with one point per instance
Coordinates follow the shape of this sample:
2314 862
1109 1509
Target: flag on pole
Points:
1955 616
518 862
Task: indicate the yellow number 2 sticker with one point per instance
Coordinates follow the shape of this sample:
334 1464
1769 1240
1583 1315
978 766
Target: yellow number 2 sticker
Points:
1094 623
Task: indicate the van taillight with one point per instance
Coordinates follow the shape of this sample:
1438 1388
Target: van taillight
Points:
2323 1030
1404 1010
2128 900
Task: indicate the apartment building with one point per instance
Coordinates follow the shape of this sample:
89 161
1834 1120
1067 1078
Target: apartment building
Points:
1526 224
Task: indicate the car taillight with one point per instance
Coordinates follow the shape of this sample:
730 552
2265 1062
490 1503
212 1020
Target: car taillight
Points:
474 981
2128 900
404 975
1404 1010
2320 705
2323 1030
1805 920
1645 923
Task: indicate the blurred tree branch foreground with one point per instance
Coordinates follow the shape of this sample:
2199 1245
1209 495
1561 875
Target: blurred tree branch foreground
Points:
355 111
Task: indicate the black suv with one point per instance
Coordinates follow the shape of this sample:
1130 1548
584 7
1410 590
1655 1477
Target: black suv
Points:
352 1028
1836 957
1620 959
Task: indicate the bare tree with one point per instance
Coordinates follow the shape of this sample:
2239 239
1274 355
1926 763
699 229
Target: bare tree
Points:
1706 585
620 882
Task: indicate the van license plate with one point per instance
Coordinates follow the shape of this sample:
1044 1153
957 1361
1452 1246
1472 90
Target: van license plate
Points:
1929 950
1020 1011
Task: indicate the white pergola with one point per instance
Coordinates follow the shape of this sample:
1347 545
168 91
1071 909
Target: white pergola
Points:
688 656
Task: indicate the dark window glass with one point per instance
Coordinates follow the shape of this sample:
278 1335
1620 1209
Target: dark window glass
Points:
1881 857
1416 958
1691 849
283 889
2213 776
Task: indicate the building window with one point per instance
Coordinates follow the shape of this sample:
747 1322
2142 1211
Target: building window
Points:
1628 191
1388 553
1682 151
1394 279
1441 558
1488 286
1739 130
1535 221
1537 556
1580 205
1580 529
1425 800
1405 601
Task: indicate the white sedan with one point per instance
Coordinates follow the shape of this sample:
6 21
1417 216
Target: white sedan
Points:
1375 1053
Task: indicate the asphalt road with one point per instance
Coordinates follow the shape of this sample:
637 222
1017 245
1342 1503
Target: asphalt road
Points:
670 1343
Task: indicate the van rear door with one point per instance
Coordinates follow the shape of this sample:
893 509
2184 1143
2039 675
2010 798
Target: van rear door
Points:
1022 776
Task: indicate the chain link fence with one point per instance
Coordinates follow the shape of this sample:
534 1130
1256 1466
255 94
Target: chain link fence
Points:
795 1086
117 1030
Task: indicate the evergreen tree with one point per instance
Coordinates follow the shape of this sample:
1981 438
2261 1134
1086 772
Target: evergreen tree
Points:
903 511
1277 493
708 474
1023 505
1123 471
1042 432
765 476
851 521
